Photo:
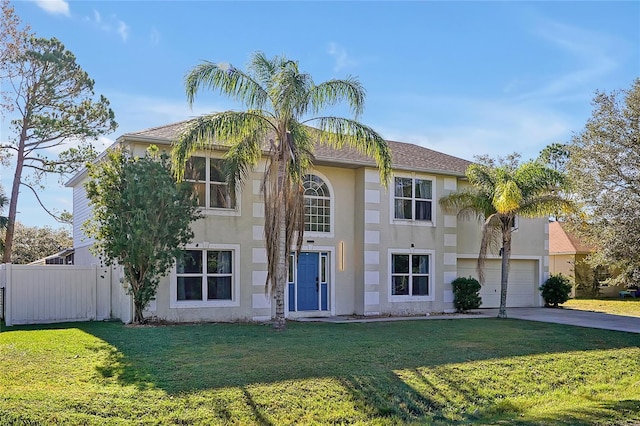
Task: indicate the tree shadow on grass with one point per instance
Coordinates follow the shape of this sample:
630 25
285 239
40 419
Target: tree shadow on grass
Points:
381 366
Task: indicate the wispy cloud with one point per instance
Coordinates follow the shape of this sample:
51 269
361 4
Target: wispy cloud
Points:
592 56
467 126
123 30
110 24
154 37
341 56
54 7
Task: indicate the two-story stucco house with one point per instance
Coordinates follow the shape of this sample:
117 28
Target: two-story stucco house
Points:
368 250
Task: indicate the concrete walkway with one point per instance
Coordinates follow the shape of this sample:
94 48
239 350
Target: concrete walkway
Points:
558 316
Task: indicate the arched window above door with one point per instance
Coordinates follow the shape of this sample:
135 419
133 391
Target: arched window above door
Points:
317 205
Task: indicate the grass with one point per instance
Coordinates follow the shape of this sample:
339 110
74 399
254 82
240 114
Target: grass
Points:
627 306
476 371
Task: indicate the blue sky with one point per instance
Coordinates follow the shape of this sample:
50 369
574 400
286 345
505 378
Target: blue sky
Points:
464 78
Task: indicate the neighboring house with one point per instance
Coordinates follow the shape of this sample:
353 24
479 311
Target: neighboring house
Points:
567 256
367 250
63 257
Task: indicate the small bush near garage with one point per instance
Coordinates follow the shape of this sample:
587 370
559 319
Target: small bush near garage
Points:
466 294
555 290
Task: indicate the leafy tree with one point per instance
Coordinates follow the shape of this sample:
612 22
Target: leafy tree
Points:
605 167
555 156
141 218
281 103
500 191
13 37
31 243
53 97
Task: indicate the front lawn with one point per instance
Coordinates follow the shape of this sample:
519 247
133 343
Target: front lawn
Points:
627 306
474 371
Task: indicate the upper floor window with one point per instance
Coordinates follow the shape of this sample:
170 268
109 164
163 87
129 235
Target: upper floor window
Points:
317 205
413 198
209 183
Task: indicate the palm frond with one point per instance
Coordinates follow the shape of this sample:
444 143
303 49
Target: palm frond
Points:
545 205
241 158
225 128
507 197
289 93
301 149
490 238
338 132
335 91
263 68
534 178
228 80
468 204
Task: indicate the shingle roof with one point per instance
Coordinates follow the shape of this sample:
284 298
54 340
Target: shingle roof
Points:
406 156
563 242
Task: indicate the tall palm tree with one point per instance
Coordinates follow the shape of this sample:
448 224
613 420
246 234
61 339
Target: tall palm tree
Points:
497 195
281 104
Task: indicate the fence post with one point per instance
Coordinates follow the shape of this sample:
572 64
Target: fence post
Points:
94 269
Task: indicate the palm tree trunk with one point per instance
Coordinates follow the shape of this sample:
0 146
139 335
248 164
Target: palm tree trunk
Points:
506 254
279 322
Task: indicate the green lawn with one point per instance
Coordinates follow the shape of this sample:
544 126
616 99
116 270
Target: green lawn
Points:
627 306
475 371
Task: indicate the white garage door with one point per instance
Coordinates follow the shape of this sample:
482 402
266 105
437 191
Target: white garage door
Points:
522 290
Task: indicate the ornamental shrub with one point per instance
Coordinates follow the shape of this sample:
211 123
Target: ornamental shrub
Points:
466 294
556 290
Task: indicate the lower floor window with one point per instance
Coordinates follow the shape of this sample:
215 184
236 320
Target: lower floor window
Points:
204 275
410 275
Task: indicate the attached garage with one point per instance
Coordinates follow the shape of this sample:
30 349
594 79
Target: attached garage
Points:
524 280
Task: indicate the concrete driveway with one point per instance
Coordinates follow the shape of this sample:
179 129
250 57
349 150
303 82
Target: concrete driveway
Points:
572 317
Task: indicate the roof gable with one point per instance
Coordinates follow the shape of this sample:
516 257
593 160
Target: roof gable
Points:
563 242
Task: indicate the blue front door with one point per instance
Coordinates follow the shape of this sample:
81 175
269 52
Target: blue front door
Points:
308 282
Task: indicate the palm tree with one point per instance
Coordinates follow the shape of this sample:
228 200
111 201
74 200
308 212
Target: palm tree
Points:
497 195
281 104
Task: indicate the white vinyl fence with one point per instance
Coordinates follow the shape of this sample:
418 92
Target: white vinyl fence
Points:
36 294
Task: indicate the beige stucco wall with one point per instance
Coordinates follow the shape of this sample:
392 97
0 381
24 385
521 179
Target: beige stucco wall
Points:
398 236
245 229
364 235
562 264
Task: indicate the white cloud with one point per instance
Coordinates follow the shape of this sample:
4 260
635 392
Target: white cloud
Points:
123 30
342 58
111 24
55 7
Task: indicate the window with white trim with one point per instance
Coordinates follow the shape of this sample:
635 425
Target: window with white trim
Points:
209 184
410 274
205 275
317 205
413 199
